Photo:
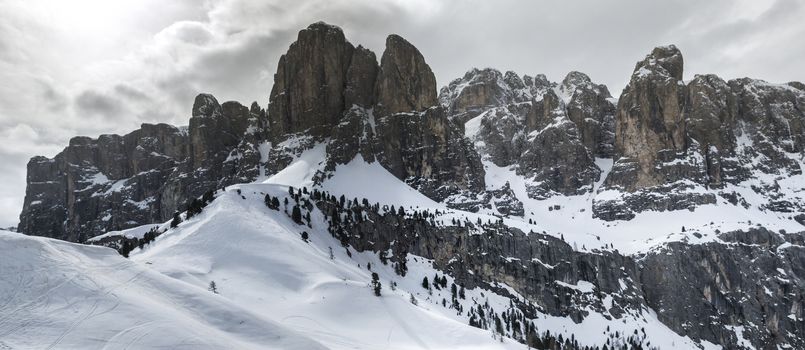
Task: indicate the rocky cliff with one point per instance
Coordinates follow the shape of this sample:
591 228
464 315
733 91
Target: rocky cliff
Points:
114 182
674 145
550 133
682 145
326 91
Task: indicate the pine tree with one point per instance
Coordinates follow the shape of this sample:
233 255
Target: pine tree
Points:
376 283
208 197
176 220
213 287
425 283
305 236
296 214
275 203
126 248
413 300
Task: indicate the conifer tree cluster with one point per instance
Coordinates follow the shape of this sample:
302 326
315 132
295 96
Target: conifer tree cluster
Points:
130 243
195 205
376 283
272 203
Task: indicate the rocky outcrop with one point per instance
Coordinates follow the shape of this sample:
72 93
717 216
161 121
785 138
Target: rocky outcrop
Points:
431 154
325 91
405 82
589 106
749 289
309 84
361 77
650 127
679 146
747 284
115 182
551 133
387 113
416 140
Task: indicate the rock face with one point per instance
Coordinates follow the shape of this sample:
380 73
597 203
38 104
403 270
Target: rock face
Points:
550 133
415 139
405 82
754 282
387 113
430 153
590 107
679 146
114 182
310 81
649 122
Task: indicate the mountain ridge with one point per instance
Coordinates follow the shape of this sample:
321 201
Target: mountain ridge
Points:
534 161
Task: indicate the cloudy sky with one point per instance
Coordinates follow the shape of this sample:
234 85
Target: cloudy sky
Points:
88 67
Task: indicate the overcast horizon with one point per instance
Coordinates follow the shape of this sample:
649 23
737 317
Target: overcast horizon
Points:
90 67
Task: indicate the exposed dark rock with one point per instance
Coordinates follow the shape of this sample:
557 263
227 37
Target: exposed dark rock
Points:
116 182
430 153
552 140
676 141
361 77
755 283
506 202
590 109
309 84
405 82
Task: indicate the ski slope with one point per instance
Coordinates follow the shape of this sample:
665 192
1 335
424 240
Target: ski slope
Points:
59 295
258 260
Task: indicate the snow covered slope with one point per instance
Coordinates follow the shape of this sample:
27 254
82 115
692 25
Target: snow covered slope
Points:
258 260
59 295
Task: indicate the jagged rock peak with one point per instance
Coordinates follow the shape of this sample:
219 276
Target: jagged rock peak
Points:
666 60
322 26
205 105
576 78
579 81
309 84
405 83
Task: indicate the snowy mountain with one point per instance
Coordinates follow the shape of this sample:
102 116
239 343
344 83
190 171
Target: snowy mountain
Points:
671 217
274 289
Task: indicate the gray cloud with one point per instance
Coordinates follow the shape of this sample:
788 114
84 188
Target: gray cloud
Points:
130 92
62 74
96 103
